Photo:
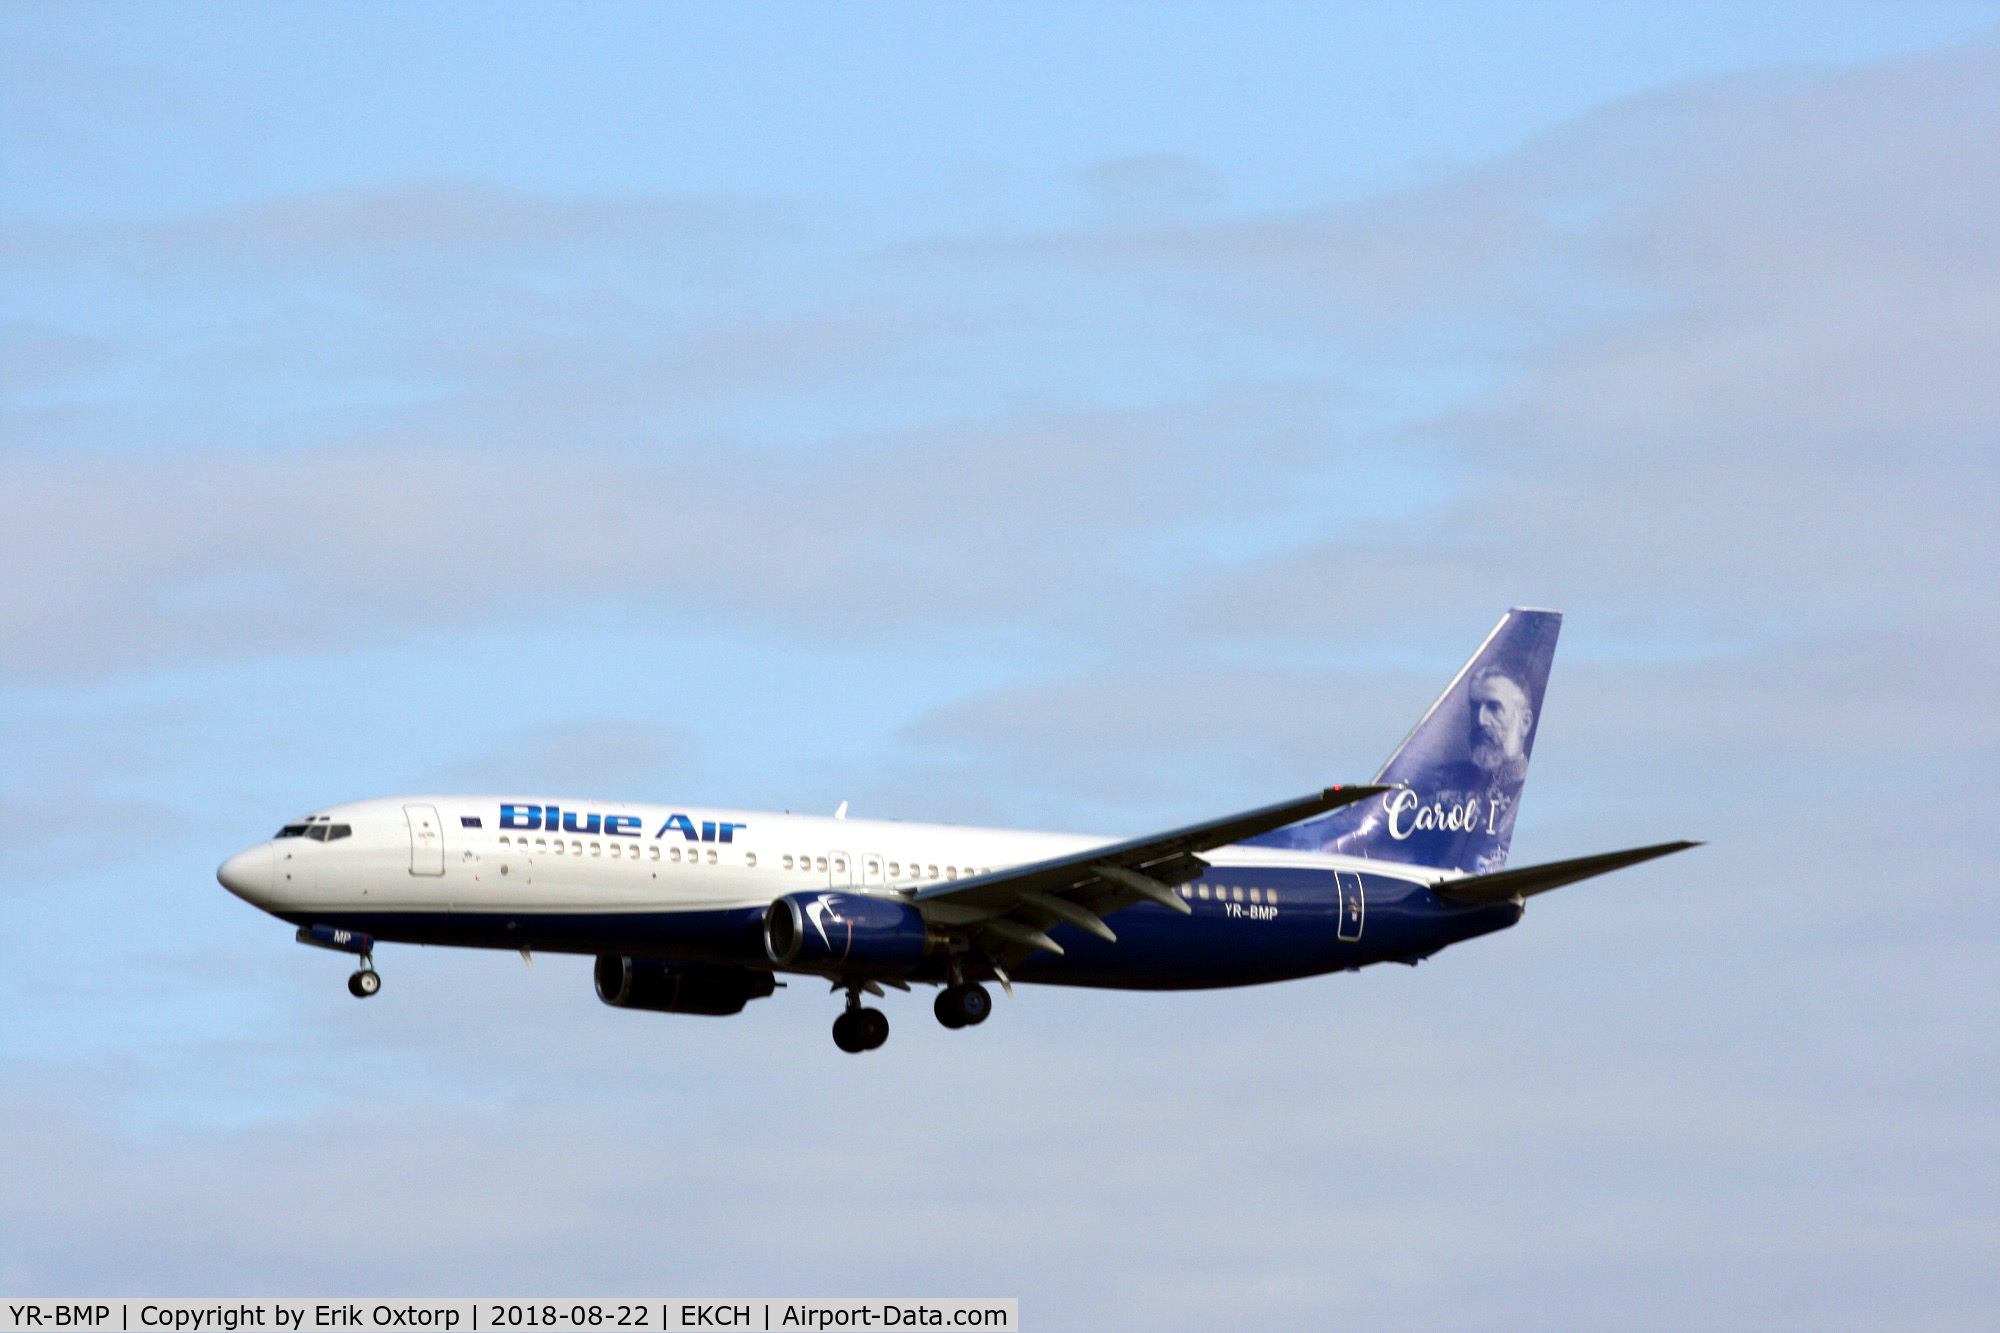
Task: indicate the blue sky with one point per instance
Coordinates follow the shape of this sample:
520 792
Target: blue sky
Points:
1069 417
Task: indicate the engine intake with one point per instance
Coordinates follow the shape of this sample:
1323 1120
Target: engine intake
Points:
830 930
679 988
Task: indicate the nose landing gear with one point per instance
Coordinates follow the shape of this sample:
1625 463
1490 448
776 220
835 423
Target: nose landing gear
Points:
341 940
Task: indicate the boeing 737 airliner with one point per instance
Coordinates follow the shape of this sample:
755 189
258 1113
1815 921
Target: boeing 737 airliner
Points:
695 910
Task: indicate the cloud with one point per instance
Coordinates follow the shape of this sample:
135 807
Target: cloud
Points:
35 356
453 222
1713 347
1152 184
500 1155
119 559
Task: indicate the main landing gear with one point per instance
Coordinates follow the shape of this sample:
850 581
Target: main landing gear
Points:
860 1029
963 1005
365 982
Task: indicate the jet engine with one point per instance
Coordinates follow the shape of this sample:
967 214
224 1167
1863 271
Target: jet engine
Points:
679 988
834 930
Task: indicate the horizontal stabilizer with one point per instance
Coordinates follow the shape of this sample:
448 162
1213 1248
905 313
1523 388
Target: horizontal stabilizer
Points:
1503 885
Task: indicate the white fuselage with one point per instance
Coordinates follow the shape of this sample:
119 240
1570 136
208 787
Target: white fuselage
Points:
449 854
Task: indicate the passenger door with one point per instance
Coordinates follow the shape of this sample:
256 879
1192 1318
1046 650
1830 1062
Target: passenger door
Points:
426 839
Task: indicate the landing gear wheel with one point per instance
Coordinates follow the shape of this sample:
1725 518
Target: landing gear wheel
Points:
975 1002
364 983
964 1005
860 1030
844 1034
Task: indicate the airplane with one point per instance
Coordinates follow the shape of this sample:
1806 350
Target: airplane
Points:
695 910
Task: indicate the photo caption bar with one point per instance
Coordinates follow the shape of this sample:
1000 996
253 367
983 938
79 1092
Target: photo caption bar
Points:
650 1315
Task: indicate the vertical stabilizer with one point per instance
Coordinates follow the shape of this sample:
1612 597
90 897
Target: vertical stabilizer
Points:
1460 771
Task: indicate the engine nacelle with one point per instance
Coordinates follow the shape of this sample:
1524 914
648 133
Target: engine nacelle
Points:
832 930
679 988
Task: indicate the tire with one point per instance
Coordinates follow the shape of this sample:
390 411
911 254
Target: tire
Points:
872 1026
364 984
975 1003
946 1008
847 1033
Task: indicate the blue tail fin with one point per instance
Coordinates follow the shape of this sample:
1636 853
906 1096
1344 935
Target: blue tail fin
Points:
1460 770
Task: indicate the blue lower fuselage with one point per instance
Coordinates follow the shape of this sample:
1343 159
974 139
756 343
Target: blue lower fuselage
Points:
1308 923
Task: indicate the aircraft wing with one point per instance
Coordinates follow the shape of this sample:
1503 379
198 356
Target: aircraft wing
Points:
1502 885
1010 912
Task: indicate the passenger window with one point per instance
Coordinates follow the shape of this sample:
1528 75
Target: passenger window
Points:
711 858
932 872
895 869
1255 896
951 872
596 850
840 863
653 852
1202 889
542 844
557 848
1270 895
788 861
576 849
1237 893
820 862
750 859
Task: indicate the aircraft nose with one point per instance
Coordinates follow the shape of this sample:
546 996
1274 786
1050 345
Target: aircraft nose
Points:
248 874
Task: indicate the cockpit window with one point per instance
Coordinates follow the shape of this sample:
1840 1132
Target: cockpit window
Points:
318 829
